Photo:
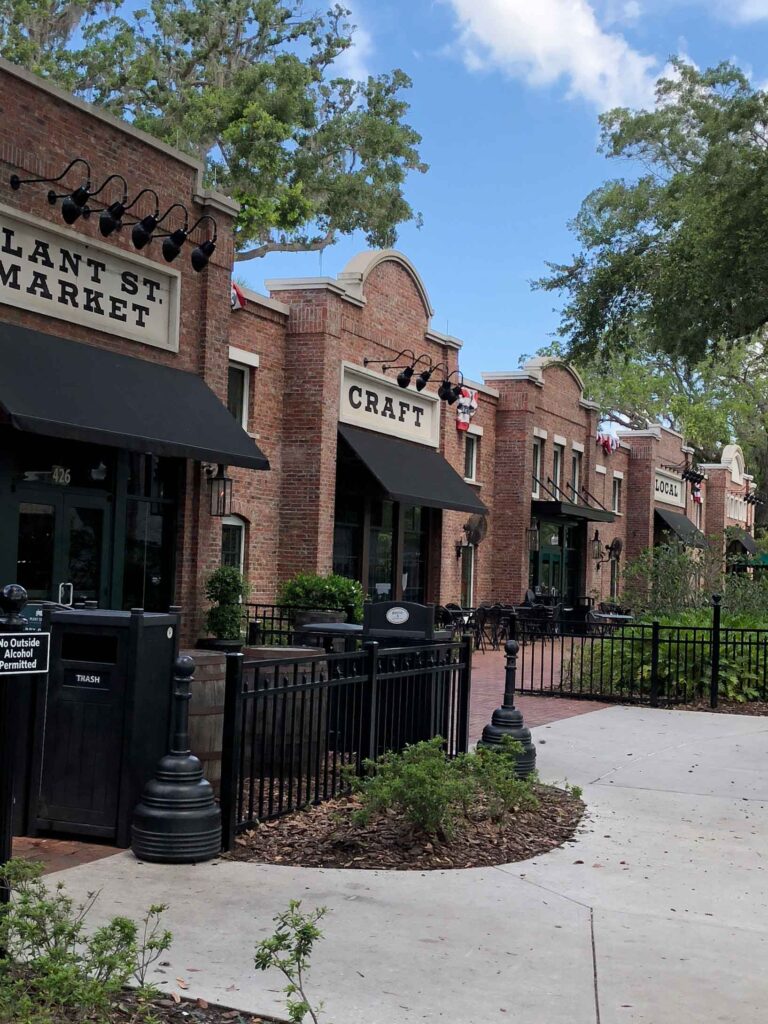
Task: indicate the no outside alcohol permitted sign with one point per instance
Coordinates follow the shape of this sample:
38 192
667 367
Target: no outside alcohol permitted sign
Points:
24 653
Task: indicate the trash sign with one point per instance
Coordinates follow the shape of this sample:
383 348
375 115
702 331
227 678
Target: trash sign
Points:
24 652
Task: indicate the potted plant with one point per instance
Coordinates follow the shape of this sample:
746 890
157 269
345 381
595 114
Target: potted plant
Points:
226 588
328 598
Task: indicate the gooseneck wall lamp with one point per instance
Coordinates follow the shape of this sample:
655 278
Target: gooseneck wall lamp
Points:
447 392
78 202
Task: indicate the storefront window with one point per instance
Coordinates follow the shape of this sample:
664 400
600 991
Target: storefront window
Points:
414 553
348 536
382 546
150 540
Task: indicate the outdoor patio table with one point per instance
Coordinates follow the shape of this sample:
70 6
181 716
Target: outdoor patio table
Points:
350 632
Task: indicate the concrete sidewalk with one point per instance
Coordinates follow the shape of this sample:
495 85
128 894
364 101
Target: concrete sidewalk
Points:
655 914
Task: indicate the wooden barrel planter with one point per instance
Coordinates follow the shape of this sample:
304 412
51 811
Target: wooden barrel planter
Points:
206 712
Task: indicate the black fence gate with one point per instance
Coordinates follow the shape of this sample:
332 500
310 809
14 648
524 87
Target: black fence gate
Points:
293 726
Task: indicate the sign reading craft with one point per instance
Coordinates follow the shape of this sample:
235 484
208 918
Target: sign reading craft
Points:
669 489
375 402
58 273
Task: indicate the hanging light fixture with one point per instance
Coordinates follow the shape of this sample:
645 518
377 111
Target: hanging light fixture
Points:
533 536
597 548
448 392
221 493
16 182
111 218
173 242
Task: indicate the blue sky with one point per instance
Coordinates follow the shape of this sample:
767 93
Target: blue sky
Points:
506 95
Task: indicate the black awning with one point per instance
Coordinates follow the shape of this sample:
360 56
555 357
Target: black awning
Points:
567 510
744 538
411 473
682 527
67 389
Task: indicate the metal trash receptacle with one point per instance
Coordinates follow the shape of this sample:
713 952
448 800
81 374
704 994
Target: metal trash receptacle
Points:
102 720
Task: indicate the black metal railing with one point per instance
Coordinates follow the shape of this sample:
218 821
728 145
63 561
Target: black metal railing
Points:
294 728
647 663
274 625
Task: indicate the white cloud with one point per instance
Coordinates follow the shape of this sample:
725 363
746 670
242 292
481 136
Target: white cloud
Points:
546 41
744 11
355 62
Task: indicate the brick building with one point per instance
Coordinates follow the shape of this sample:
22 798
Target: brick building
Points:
128 380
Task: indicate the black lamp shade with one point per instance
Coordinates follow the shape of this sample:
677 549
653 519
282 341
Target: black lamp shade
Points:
70 210
202 254
111 218
141 234
455 394
221 494
404 377
444 391
172 245
423 379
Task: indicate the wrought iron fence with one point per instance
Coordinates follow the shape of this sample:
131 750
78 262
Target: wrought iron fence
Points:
646 663
274 625
294 728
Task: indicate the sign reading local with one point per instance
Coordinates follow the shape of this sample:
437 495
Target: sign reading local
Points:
669 489
60 274
24 653
375 402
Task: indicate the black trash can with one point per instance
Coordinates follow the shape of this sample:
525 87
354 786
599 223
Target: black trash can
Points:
102 720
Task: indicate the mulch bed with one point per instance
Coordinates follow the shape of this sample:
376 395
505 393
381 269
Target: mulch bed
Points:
325 837
187 1011
729 707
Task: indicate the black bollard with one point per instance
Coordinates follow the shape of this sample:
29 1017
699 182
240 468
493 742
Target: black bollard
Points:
508 720
177 820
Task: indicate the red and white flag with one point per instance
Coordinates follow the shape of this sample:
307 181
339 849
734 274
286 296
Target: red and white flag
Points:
238 299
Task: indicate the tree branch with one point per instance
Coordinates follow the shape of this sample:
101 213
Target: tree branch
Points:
261 250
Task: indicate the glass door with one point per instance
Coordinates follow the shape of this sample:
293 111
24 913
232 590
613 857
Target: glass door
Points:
63 539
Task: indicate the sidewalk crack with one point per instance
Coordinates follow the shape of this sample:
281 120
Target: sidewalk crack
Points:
594 964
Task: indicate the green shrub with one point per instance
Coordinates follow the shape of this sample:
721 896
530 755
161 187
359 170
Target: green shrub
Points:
310 590
288 950
435 793
227 588
53 971
494 771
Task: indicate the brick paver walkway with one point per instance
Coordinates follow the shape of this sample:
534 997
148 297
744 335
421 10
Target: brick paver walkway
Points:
58 854
488 690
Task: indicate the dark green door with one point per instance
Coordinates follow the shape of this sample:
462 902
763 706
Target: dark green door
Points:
63 545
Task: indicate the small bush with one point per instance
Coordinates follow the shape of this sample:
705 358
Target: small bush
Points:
227 588
288 950
435 793
310 590
53 971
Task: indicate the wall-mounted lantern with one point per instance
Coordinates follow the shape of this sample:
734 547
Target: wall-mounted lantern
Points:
220 493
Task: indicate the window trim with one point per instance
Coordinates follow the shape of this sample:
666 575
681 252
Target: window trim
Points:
538 446
471 442
240 523
247 371
616 490
577 459
558 455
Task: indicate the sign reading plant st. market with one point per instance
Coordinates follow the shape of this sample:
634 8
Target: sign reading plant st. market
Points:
59 273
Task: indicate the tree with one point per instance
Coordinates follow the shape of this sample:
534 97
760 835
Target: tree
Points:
249 87
676 256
